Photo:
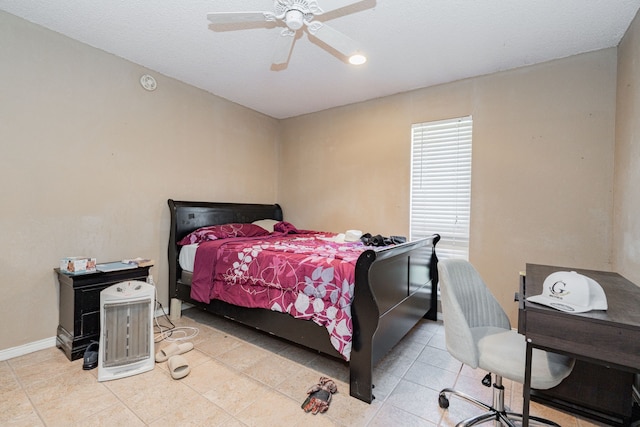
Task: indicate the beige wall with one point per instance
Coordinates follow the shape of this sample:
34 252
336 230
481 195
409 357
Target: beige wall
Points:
89 160
626 248
542 165
77 133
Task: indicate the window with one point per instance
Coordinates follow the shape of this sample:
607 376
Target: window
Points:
441 184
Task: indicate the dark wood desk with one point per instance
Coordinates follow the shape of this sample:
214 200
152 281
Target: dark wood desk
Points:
609 338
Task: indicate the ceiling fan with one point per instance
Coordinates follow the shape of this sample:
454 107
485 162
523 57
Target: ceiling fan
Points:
294 15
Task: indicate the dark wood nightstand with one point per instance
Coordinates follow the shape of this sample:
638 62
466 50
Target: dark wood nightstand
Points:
79 319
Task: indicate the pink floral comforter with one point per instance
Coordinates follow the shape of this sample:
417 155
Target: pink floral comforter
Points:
306 275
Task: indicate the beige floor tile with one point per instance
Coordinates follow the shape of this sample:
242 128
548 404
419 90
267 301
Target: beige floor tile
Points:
43 365
272 409
51 398
394 364
208 375
407 348
164 405
416 399
115 415
8 382
437 341
194 411
16 408
473 387
559 417
349 411
459 410
272 370
330 367
298 354
318 420
218 343
151 395
231 422
300 380
383 384
242 356
430 376
30 420
129 387
390 415
420 334
440 358
234 391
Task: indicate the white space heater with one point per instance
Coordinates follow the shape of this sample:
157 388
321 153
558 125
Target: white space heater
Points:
126 330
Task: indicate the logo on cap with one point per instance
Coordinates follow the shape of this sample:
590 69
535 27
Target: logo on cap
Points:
558 290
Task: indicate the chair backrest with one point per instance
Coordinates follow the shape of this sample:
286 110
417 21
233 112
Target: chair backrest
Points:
467 303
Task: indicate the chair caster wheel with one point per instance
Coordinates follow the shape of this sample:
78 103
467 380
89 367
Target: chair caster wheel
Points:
486 381
443 401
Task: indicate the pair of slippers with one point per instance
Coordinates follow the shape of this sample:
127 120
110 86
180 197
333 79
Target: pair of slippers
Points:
178 365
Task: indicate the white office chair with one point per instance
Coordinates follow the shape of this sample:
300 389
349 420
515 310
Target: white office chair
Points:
478 333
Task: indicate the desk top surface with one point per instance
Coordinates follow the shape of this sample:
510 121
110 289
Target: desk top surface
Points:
623 297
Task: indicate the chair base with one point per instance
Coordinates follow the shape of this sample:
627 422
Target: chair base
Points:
494 413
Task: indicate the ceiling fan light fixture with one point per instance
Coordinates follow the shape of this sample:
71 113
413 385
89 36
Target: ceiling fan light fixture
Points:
294 19
357 59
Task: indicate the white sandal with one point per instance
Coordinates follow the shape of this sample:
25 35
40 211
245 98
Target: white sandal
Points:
173 349
178 367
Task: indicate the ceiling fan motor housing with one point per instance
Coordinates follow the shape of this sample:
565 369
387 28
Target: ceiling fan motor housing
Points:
294 19
295 12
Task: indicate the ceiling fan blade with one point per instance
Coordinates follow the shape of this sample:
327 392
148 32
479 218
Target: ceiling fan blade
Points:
334 38
234 17
283 46
330 5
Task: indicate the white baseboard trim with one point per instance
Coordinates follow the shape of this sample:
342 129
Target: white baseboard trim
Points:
21 350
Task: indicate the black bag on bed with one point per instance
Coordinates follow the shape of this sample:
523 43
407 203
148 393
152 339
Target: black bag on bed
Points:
379 240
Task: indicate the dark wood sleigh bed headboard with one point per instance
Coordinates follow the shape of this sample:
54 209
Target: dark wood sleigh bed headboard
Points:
189 216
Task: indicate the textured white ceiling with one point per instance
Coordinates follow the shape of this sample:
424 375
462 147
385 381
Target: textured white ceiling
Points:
409 43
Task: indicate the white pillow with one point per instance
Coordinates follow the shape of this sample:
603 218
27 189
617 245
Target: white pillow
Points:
267 224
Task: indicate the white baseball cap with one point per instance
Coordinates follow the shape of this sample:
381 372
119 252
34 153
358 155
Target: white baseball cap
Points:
571 292
352 235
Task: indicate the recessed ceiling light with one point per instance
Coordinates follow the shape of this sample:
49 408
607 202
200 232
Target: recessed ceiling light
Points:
357 59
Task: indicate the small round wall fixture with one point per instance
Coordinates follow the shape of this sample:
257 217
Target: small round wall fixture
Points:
148 82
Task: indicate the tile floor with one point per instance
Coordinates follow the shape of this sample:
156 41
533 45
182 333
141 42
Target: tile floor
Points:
242 377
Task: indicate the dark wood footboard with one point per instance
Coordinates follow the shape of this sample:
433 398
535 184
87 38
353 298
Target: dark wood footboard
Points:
395 288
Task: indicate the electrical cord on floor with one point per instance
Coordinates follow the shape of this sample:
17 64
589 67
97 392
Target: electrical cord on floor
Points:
171 333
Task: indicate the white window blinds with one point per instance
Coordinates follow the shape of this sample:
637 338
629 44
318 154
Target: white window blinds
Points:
441 184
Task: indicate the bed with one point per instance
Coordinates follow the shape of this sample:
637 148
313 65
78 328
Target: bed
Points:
394 288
